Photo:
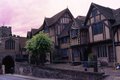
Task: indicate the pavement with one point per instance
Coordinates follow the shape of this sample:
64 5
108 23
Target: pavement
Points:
111 73
21 77
68 66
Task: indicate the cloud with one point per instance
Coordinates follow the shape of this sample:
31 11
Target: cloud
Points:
23 15
6 14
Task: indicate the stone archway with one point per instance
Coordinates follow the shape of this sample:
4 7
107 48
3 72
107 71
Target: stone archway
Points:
8 61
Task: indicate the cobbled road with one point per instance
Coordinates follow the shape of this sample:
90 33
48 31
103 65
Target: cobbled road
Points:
20 77
10 77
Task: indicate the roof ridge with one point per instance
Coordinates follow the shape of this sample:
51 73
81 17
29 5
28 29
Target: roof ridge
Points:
101 6
54 18
108 12
60 12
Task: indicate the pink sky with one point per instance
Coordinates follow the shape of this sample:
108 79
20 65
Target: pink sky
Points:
23 15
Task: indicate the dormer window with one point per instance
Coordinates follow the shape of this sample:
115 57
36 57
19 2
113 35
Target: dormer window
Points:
74 33
95 16
64 20
97 28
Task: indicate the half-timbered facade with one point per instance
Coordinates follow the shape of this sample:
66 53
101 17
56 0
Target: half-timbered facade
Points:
78 39
98 23
116 35
116 41
54 27
64 44
98 32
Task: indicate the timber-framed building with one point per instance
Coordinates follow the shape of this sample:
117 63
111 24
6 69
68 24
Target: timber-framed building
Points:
73 38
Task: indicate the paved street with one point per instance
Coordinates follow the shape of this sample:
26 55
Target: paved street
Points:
113 74
8 77
20 77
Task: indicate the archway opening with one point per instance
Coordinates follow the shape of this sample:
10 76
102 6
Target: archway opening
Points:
9 64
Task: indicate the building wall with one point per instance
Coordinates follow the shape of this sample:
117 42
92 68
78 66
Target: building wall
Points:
90 34
117 35
107 32
5 31
65 45
94 20
118 53
5 43
4 54
104 52
74 42
76 54
84 37
70 55
117 47
12 53
98 37
2 46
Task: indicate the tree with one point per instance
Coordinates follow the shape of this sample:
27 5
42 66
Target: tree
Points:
38 46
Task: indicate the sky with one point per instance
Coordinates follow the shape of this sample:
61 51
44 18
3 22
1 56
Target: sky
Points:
23 15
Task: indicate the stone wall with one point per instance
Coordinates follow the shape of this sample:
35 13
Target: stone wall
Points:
46 72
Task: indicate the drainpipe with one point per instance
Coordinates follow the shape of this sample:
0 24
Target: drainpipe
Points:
114 51
95 63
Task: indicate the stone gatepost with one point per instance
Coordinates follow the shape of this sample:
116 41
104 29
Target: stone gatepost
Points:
3 69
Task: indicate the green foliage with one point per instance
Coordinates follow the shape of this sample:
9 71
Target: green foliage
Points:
39 44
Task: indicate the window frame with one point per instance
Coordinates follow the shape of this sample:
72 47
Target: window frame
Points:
97 28
10 44
74 33
75 52
64 40
102 51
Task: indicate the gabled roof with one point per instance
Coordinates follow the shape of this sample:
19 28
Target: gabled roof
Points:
39 29
33 31
28 34
22 41
55 18
65 31
110 14
117 17
107 12
78 23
